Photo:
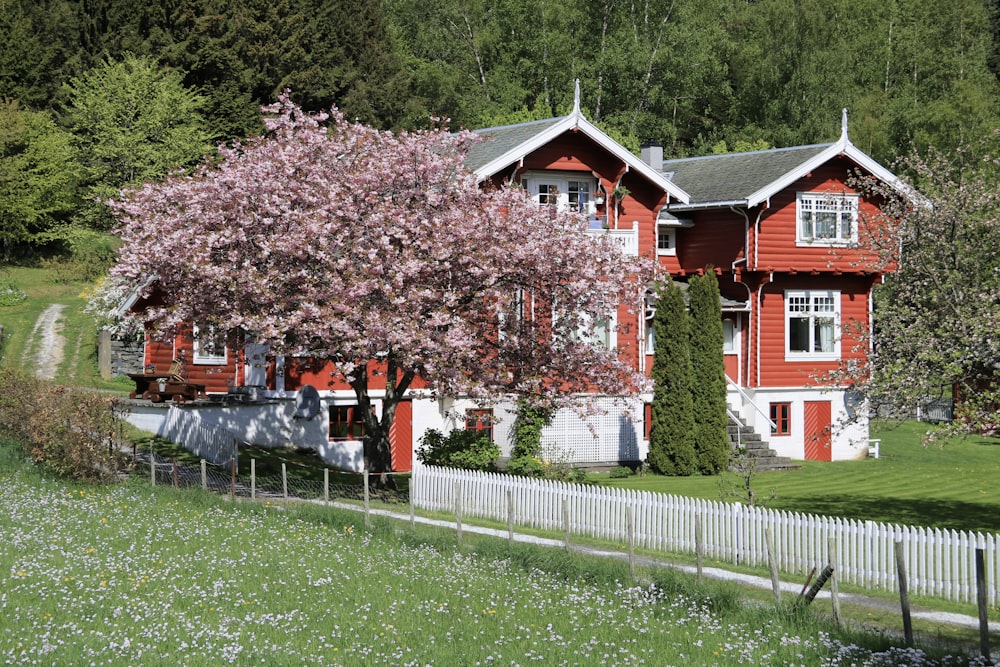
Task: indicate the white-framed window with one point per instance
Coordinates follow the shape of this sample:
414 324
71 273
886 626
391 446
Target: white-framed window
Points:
568 190
826 218
601 331
728 336
666 239
209 345
812 325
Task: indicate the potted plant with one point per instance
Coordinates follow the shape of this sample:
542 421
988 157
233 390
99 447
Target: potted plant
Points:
598 198
620 192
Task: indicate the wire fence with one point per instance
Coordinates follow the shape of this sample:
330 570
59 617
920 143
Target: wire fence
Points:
226 479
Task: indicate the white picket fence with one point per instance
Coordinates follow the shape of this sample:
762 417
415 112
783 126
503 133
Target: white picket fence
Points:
939 563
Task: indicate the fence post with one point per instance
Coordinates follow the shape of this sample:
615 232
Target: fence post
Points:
413 504
367 502
253 479
984 621
284 483
904 594
630 539
772 564
458 512
152 465
565 513
232 479
699 546
510 515
326 485
204 476
834 586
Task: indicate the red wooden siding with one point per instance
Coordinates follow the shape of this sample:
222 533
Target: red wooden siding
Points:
818 427
717 239
776 245
401 438
774 370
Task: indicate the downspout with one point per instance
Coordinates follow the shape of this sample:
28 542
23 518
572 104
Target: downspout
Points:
760 298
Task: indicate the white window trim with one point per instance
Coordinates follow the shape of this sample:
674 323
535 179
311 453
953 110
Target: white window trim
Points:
812 356
804 200
585 328
207 359
531 181
671 232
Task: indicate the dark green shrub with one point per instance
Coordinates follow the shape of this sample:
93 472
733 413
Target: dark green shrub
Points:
621 472
526 466
472 450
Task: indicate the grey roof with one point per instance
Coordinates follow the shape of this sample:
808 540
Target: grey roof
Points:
501 140
733 177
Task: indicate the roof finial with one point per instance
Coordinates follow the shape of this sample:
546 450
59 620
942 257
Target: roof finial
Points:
843 125
576 99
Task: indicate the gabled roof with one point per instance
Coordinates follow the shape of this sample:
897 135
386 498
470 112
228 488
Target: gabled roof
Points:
747 179
504 146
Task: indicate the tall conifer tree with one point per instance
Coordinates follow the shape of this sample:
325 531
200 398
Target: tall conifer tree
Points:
708 388
671 435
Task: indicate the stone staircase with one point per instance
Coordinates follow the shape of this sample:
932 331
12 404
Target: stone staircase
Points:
766 458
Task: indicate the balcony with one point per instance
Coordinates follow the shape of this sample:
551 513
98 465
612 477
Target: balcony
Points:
628 238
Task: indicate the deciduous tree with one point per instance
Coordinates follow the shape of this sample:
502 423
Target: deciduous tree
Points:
381 252
936 317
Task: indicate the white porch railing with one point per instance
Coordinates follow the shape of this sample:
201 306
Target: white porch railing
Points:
628 238
939 563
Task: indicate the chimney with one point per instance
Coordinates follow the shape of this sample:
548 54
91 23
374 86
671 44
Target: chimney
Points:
652 154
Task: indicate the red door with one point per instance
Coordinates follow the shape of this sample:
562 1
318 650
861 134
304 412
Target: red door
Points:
818 425
401 438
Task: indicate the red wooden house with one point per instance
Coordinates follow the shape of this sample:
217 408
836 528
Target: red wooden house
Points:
779 227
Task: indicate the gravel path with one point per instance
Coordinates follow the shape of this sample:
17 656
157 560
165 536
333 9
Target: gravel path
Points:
44 349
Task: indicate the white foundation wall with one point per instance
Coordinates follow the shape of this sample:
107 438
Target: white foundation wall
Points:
848 437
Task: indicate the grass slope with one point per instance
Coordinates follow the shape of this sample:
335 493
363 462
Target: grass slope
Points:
129 575
79 365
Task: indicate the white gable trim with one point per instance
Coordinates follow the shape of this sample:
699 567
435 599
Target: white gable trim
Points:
576 121
843 146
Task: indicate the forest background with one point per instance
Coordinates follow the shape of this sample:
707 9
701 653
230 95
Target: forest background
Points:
697 76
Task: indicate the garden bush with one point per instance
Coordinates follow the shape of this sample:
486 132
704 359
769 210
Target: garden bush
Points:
472 450
70 431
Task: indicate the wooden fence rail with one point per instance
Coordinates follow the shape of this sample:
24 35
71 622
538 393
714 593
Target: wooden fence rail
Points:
940 563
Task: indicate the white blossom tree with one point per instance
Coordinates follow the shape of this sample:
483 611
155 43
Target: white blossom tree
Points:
937 317
381 252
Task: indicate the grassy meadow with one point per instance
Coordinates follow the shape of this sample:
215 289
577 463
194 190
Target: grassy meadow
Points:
129 575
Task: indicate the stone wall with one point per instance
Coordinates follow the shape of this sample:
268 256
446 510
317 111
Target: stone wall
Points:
116 356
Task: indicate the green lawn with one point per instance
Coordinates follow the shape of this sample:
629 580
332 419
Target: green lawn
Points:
954 486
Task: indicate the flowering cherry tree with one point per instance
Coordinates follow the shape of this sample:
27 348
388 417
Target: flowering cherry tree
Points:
381 252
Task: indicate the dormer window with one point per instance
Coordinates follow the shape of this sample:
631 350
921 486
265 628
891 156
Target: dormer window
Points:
567 190
826 218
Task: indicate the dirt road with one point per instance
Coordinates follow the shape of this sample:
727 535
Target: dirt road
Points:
44 348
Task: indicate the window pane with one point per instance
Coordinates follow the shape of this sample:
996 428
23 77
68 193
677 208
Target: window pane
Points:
728 335
798 334
826 225
824 334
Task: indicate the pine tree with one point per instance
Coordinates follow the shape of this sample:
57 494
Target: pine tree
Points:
671 435
708 387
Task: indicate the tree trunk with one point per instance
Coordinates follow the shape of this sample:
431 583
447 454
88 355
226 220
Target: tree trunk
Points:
377 447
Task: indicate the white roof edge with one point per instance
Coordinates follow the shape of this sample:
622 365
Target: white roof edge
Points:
842 146
133 295
577 121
